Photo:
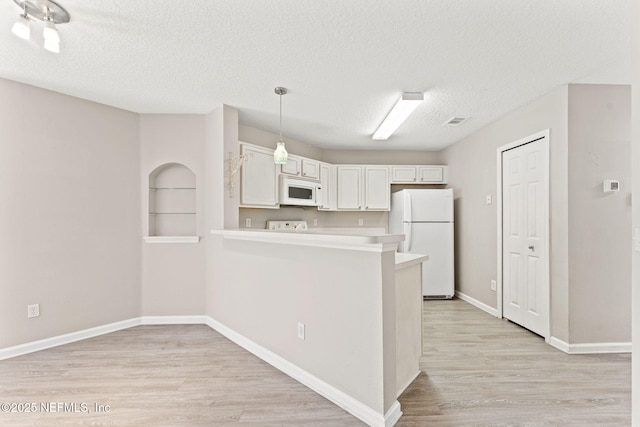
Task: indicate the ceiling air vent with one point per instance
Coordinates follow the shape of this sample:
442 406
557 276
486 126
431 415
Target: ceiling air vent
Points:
454 121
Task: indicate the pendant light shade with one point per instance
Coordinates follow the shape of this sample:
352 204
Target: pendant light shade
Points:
280 155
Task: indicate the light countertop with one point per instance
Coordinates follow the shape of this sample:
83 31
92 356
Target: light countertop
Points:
344 239
404 260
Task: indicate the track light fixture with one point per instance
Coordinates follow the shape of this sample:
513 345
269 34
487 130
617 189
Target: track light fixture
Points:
49 13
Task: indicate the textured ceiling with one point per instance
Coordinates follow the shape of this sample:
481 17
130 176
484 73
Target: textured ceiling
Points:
345 62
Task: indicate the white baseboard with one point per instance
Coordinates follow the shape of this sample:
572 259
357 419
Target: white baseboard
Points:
590 348
46 343
405 386
474 302
174 320
343 400
31 347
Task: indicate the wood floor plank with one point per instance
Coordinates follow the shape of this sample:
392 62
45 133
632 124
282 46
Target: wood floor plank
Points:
477 371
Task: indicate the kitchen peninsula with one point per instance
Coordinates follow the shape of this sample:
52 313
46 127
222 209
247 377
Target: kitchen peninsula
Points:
323 309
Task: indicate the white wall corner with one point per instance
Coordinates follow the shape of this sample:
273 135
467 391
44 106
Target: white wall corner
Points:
591 348
46 343
174 320
341 399
393 415
478 304
338 397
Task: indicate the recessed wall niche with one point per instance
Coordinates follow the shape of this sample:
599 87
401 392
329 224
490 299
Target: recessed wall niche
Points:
172 201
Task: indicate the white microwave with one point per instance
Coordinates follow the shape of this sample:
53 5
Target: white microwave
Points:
299 192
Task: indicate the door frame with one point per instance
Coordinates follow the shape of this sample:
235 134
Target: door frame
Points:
545 151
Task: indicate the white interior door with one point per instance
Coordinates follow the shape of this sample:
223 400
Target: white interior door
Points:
525 246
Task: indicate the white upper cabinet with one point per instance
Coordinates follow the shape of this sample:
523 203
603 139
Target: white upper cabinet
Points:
293 166
377 189
403 174
258 178
431 174
363 187
349 187
328 185
343 187
427 174
310 169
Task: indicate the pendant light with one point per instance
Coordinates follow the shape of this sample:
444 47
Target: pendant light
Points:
280 154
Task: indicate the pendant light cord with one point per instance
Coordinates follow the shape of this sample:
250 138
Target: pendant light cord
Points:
280 117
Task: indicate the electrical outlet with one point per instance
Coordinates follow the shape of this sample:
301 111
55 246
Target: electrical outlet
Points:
488 199
301 330
494 285
247 222
315 221
360 221
33 310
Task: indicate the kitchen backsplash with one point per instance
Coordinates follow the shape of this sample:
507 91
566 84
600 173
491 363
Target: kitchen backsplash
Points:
259 217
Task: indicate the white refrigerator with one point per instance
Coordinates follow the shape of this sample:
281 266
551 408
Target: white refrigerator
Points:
425 217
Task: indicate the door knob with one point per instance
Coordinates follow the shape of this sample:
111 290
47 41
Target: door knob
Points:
531 248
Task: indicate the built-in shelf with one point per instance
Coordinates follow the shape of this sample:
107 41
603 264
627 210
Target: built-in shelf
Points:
172 204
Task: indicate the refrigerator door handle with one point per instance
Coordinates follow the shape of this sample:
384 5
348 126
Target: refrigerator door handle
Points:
407 233
407 208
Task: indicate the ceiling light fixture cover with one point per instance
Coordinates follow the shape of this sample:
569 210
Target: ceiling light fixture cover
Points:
50 33
49 13
280 155
22 27
399 113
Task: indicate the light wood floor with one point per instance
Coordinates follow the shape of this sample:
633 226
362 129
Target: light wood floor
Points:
477 371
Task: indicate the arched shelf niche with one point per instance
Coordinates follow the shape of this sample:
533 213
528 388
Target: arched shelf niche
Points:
172 204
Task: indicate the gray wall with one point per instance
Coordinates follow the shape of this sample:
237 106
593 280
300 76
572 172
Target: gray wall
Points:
599 223
69 216
590 265
472 175
173 276
381 157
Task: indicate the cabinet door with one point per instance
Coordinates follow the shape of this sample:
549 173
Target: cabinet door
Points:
328 180
403 174
431 174
293 165
377 188
310 169
349 187
258 178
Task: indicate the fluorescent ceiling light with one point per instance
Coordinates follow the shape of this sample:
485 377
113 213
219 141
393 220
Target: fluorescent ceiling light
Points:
403 109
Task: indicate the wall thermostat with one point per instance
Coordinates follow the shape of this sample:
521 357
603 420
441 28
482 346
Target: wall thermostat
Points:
609 185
